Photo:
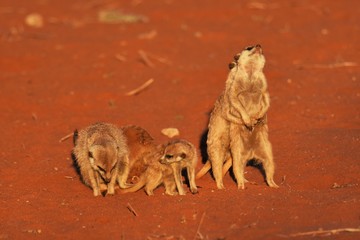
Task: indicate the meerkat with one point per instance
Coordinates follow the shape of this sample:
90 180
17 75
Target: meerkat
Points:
180 154
238 128
140 144
102 157
165 165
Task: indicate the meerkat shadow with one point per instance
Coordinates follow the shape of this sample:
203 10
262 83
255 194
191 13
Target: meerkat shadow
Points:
254 163
203 146
75 164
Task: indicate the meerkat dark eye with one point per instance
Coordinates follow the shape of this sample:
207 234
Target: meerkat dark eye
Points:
90 155
232 65
183 155
168 156
236 57
249 48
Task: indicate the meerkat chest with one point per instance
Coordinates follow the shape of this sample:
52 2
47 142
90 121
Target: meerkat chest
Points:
251 96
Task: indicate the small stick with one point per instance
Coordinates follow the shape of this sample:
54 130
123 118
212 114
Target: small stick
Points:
334 65
198 229
120 57
66 137
141 88
160 59
131 209
283 180
144 57
34 116
320 232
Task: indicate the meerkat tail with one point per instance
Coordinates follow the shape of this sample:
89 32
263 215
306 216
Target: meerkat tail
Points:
203 170
136 187
227 165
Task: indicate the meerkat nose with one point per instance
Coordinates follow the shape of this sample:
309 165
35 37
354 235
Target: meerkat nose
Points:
258 49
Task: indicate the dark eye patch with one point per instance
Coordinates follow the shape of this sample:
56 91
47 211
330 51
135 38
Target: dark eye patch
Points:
249 48
90 155
183 155
168 156
101 169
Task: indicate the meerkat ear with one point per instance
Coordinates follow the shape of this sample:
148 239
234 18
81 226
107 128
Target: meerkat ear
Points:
75 136
181 157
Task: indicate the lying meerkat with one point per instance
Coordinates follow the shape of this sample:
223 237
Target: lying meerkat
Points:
165 165
238 128
140 144
102 157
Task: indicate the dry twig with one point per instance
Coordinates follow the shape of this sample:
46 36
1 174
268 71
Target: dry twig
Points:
334 65
325 232
160 59
198 229
66 137
131 209
141 88
120 57
144 57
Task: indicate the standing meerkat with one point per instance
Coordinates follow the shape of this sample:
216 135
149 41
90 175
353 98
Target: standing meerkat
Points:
102 156
238 128
165 165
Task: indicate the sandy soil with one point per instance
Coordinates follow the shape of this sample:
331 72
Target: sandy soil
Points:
68 69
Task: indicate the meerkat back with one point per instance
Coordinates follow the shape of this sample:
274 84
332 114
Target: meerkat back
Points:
140 144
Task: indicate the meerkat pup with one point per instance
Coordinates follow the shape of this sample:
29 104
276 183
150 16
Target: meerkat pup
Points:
102 157
165 165
238 128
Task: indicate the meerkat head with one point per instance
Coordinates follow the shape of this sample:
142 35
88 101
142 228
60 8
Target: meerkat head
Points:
103 159
175 151
251 60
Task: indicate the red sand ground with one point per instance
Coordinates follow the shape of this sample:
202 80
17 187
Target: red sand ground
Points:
66 75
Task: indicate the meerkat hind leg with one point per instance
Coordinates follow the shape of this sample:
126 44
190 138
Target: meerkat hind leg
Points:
170 187
151 185
216 158
239 162
264 153
227 165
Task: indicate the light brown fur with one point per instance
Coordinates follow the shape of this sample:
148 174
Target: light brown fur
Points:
238 127
165 165
140 144
102 157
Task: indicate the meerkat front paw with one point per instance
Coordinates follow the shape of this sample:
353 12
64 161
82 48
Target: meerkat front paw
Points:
194 190
96 192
